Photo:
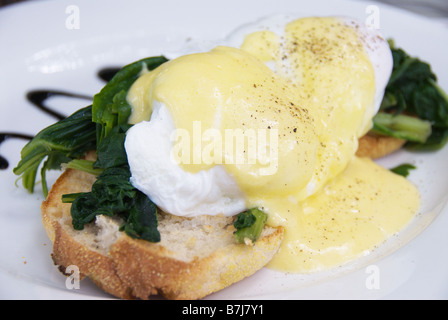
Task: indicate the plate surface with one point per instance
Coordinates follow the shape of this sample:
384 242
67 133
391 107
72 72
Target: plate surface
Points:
65 45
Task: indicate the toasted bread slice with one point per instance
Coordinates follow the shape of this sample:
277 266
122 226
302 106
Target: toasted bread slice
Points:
196 256
377 146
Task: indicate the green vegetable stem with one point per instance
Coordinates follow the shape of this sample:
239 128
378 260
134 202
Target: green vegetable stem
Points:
249 225
59 143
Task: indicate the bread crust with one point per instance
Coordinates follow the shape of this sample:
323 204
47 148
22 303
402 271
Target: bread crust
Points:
137 269
378 146
98 267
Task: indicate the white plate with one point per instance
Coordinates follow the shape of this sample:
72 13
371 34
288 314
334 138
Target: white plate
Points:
41 49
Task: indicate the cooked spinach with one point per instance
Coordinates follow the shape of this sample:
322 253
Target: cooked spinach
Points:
403 169
101 127
110 107
59 143
141 222
112 193
413 92
83 165
110 150
249 224
402 126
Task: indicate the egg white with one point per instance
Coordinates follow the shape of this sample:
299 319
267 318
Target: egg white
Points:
154 172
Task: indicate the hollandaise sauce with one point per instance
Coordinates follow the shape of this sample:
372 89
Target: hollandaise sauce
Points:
347 219
303 98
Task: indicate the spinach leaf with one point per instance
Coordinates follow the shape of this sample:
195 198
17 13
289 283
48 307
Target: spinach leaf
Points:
142 221
112 193
249 225
413 91
110 150
403 169
244 220
83 209
59 143
110 107
83 165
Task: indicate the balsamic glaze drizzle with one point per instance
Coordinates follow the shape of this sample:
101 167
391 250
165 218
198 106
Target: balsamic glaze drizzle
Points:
8 135
37 98
108 73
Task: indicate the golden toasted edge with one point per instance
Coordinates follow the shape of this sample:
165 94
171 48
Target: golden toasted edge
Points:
97 267
377 146
138 269
66 250
147 272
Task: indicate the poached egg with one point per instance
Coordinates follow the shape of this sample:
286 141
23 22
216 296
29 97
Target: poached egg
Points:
272 119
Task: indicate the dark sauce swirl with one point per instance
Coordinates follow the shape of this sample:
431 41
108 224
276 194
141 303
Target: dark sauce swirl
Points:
8 135
38 99
108 73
